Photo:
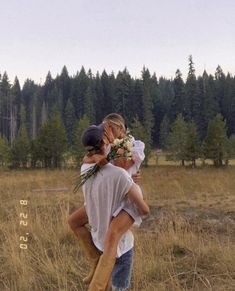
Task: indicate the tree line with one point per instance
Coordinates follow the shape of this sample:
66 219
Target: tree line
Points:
182 141
36 114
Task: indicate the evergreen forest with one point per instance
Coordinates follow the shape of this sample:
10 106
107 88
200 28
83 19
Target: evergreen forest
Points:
194 118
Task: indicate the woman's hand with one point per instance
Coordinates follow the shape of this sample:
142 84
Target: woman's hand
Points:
137 177
108 134
120 152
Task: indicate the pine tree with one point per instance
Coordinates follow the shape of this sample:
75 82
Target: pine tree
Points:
70 120
138 103
131 105
157 118
48 85
34 120
20 149
65 86
78 149
210 104
4 152
89 104
52 93
52 141
231 110
99 97
45 144
28 91
219 84
229 149
44 113
5 107
162 105
232 115
37 154
231 145
177 140
147 112
215 144
58 136
178 103
15 112
107 83
164 132
22 115
229 92
192 145
79 88
192 101
166 94
122 93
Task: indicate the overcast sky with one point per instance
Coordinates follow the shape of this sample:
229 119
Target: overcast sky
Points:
41 35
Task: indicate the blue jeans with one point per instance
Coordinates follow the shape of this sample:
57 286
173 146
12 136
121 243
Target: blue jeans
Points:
121 275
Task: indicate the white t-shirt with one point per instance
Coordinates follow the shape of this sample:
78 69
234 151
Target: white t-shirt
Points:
103 194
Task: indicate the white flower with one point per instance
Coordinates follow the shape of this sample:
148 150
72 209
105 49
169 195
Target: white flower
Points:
128 145
117 141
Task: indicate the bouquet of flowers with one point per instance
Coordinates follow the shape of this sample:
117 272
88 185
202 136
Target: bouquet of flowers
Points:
120 148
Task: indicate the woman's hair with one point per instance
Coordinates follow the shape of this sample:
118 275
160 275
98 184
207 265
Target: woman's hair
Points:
94 151
98 149
114 118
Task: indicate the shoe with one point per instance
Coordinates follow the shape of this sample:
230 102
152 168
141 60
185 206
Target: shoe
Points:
91 252
102 274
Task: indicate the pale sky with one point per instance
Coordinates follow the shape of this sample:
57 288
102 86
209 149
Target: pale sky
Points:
41 35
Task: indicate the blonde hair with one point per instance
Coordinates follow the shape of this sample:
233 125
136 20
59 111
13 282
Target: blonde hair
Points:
114 118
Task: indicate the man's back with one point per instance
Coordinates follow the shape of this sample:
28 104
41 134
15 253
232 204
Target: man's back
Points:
103 194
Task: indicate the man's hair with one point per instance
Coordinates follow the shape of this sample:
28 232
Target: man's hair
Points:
114 118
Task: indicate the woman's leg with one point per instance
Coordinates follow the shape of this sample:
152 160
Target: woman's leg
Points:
118 226
77 222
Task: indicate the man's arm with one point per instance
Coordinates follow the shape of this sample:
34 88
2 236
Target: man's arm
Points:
136 198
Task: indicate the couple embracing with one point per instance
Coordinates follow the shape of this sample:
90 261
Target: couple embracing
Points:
113 203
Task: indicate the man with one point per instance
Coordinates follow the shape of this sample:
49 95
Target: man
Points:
103 194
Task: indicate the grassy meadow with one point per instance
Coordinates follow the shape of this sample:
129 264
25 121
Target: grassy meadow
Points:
187 242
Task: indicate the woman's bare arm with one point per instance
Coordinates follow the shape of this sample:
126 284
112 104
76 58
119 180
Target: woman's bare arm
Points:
99 159
125 163
136 198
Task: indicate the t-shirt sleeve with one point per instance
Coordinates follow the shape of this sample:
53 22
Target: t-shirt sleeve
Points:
138 152
124 184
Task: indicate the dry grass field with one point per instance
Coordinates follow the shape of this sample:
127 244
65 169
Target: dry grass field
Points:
187 243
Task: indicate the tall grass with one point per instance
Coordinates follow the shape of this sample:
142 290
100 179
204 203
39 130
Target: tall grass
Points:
187 243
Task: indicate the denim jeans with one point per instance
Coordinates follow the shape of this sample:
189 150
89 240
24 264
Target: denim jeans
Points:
121 275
